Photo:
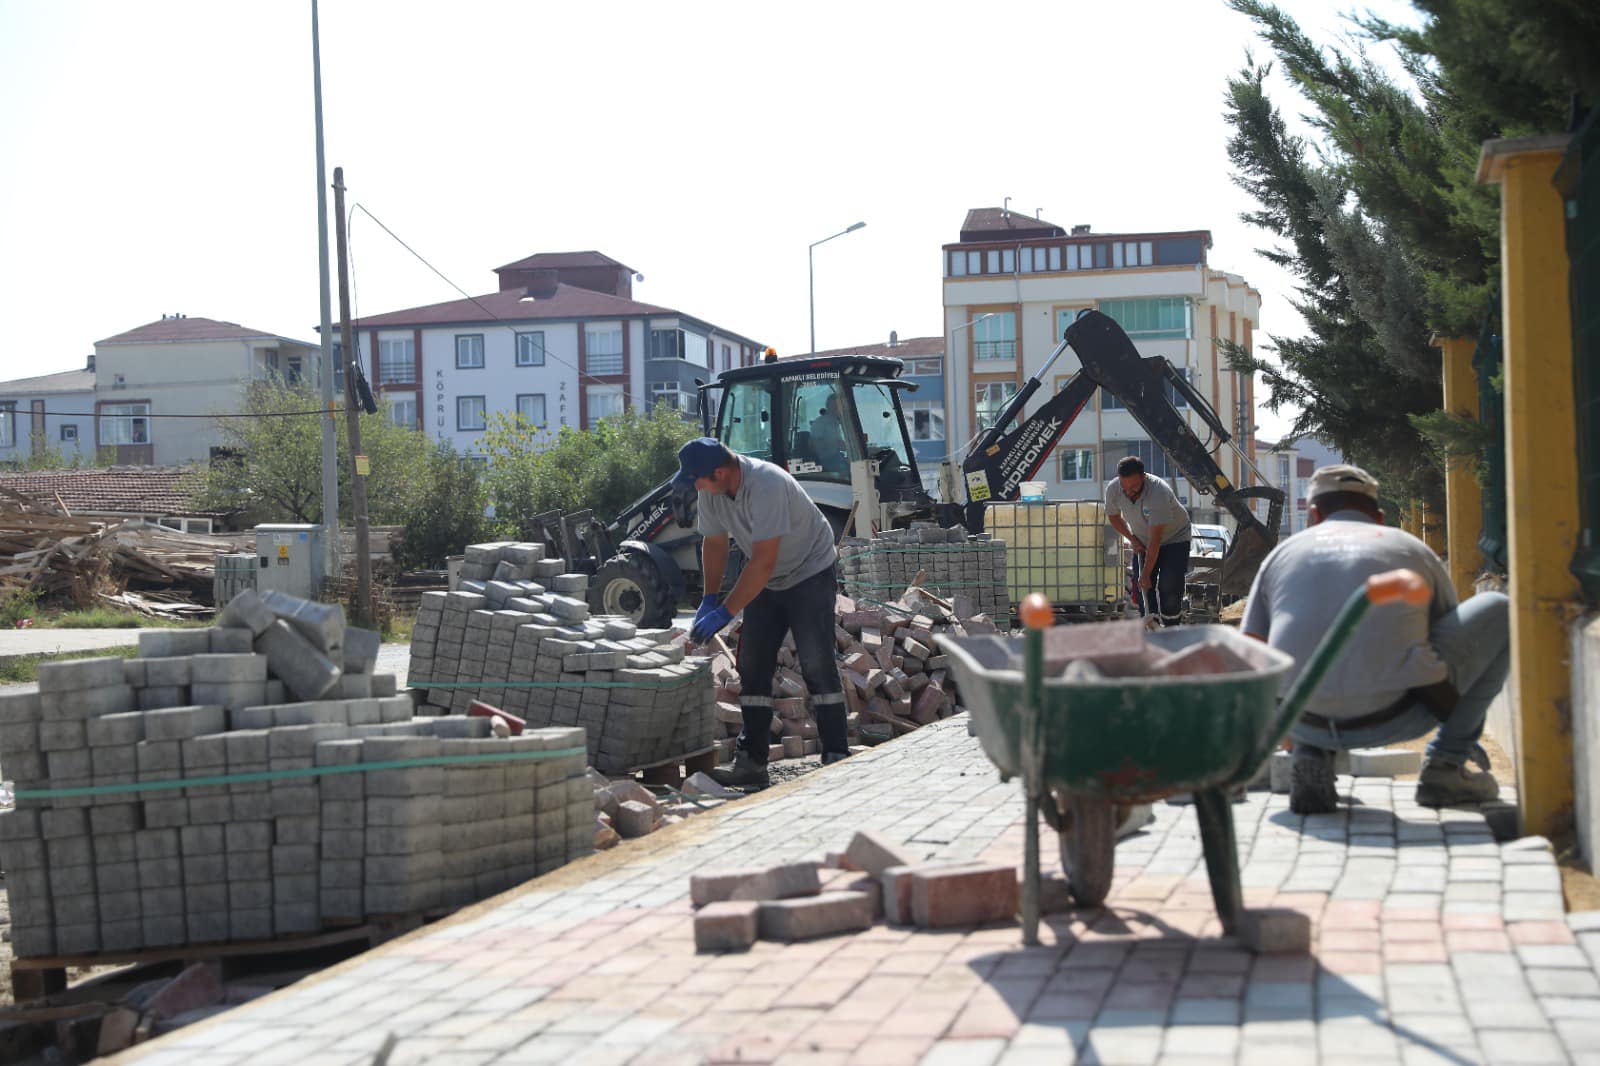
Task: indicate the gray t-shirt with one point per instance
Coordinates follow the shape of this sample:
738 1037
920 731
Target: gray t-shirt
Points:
770 504
1305 581
1157 505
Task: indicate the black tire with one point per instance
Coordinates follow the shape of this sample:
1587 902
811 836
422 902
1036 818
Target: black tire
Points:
1088 847
632 586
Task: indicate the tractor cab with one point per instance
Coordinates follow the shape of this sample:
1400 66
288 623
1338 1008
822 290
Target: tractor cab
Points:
816 417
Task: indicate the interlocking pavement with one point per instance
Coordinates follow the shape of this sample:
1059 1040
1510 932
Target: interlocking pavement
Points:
1433 944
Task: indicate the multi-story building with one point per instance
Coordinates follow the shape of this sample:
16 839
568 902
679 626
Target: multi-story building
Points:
182 366
1013 283
1289 465
562 343
923 406
52 412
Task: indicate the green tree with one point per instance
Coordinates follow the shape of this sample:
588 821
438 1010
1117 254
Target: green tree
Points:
272 468
532 470
446 515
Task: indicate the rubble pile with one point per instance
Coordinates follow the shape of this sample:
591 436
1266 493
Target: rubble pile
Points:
970 572
521 638
258 779
894 676
625 810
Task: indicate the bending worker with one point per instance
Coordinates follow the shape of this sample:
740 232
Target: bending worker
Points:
1406 671
787 586
1145 510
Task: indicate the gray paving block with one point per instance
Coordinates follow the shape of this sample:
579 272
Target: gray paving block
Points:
207 926
125 728
124 935
304 669
232 696
58 824
114 818
78 704
250 924
73 675
399 708
171 672
165 930
343 844
293 888
247 611
249 866
73 880
360 650
250 895
160 643
241 836
77 939
20 707
227 669
73 763
231 641
354 687
322 624
155 698
296 918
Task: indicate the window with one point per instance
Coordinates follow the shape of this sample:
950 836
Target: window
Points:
403 411
671 394
1008 261
397 361
603 351
991 261
665 344
996 337
1072 257
727 356
1077 464
818 435
469 413
605 401
925 419
958 264
530 349
745 421
530 408
1055 259
1283 473
924 367
469 351
1151 319
989 398
8 424
1155 460
69 432
293 369
125 423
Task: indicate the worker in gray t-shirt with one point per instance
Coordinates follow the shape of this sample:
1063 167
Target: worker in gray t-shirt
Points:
1145 510
1406 670
787 586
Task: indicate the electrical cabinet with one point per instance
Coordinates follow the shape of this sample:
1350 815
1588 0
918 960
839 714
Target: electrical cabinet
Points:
290 558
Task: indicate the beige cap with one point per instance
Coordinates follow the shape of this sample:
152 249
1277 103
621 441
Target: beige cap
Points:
1343 478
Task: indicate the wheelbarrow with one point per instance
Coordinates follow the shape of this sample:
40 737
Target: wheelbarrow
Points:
1085 748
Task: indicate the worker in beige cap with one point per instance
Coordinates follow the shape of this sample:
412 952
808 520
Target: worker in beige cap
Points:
1407 671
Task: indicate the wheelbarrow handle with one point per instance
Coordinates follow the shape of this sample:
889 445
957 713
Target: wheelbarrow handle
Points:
1393 586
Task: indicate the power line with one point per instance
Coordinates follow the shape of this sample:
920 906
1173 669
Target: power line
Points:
215 414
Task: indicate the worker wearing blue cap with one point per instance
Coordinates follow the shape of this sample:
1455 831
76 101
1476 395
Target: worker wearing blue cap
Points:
787 587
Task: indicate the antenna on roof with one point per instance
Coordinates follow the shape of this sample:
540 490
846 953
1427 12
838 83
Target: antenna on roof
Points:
1005 208
1038 214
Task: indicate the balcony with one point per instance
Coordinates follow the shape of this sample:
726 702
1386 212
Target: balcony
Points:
995 349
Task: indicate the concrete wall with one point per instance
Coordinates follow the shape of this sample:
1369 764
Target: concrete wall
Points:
61 409
1585 710
500 381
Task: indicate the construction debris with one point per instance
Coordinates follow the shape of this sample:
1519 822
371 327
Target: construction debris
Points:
625 809
522 639
967 572
180 798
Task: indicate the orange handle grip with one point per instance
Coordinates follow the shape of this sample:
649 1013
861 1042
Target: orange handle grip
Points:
1398 586
1036 611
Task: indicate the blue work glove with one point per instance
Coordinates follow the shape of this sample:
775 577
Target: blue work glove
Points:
713 623
706 604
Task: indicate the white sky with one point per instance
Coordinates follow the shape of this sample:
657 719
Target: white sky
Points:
159 156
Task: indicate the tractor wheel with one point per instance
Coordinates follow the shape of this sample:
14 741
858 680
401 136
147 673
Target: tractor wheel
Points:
630 585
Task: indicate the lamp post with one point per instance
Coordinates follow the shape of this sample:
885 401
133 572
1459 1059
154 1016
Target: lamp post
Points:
811 269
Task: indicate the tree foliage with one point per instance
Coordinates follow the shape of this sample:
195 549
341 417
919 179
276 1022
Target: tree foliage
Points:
272 468
447 515
607 468
1379 215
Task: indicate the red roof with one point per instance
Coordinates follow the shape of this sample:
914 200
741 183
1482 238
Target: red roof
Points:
514 305
910 348
995 224
178 330
564 261
130 490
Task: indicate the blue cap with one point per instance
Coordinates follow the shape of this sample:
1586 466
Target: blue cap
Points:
698 459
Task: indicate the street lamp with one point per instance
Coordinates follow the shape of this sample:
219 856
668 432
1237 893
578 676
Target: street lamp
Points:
812 272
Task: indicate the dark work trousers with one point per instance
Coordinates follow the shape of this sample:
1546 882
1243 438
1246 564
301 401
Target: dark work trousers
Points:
1172 567
807 611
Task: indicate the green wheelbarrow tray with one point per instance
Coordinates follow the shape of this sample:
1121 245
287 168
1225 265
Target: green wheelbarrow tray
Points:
1128 739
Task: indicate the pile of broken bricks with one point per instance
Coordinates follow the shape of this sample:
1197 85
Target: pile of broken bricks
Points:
626 810
875 878
895 678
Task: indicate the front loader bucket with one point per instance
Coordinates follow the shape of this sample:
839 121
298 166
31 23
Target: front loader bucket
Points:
1239 566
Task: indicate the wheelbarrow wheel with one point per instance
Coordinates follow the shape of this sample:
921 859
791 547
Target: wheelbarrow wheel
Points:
1088 833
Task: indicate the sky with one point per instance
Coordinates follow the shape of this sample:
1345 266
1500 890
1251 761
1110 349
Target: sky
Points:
160 156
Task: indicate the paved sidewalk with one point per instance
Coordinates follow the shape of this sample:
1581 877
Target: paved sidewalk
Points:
15 643
1434 944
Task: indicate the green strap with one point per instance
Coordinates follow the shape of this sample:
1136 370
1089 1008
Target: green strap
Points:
930 550
307 771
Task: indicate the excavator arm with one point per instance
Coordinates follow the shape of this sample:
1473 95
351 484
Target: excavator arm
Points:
1007 454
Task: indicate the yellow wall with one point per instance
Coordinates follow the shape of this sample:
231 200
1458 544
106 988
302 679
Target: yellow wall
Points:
1463 495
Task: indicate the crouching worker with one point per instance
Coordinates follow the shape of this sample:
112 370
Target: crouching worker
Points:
787 586
1406 671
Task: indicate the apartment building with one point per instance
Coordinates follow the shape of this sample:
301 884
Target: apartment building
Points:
561 342
1012 284
53 412
923 406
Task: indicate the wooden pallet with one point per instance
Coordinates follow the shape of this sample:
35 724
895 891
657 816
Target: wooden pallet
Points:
34 978
667 771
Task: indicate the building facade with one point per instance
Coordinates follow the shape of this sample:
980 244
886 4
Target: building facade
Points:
923 406
53 413
1013 283
561 343
155 386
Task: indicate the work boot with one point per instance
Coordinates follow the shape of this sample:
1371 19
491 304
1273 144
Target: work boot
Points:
831 757
1450 784
743 772
1311 788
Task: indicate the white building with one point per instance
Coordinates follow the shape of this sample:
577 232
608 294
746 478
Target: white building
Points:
563 343
1031 277
188 367
54 412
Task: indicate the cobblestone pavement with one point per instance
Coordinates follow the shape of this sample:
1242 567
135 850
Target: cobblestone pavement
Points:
1434 944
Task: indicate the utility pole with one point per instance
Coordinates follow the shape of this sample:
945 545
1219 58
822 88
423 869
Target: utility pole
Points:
330 454
352 410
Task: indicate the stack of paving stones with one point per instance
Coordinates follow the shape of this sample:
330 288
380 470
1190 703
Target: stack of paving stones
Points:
521 639
970 572
280 686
